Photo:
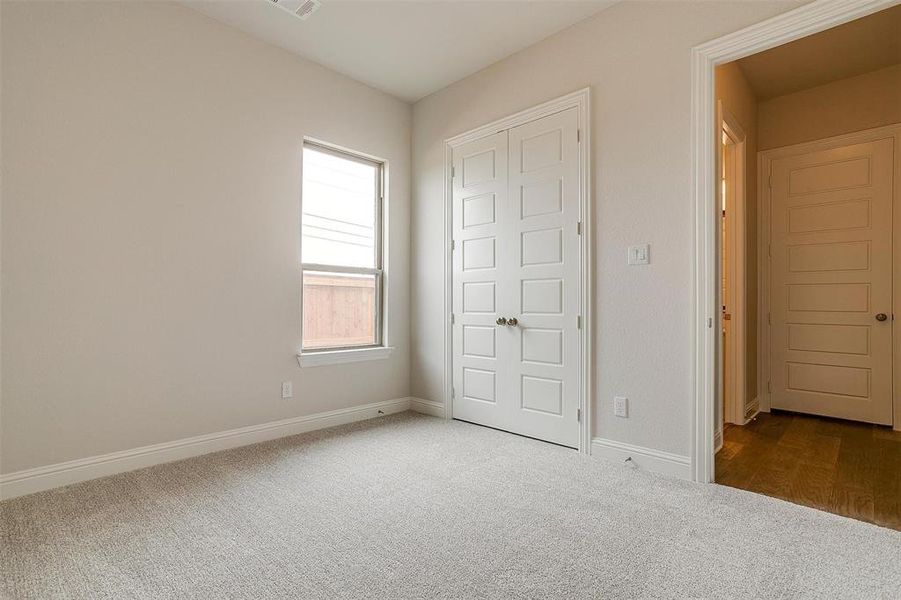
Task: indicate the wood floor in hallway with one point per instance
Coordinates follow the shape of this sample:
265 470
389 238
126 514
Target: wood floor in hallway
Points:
847 468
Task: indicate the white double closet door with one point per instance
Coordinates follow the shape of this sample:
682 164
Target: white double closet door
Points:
516 260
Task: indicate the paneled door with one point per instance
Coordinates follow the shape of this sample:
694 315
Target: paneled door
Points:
831 277
480 213
516 280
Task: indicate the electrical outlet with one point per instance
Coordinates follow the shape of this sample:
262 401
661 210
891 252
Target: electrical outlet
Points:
287 389
621 407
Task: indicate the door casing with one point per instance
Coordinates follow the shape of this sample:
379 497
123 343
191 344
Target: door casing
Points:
736 410
581 101
764 163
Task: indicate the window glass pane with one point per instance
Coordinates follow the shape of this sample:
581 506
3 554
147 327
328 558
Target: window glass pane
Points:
339 210
339 309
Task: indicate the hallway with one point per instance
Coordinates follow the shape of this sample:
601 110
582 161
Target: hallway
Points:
843 467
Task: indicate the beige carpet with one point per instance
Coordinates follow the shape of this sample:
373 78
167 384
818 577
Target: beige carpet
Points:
417 507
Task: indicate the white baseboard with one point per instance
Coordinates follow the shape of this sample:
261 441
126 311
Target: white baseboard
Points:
658 461
30 481
752 409
427 407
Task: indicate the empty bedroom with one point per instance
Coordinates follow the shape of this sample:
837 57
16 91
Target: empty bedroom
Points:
428 299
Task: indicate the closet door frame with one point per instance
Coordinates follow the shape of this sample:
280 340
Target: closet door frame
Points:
581 101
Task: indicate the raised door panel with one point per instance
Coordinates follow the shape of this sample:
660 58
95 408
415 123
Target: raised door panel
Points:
543 396
542 346
541 297
479 385
479 253
829 339
479 210
479 297
834 256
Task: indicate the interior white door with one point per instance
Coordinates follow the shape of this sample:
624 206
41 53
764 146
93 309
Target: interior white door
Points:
517 260
480 214
831 269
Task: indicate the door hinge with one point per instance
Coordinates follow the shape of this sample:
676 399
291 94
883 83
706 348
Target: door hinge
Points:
453 393
452 318
453 245
579 228
769 318
453 172
578 321
769 387
578 135
769 182
579 415
709 322
769 250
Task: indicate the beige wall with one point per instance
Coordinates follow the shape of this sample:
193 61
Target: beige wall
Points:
151 177
862 102
738 98
636 58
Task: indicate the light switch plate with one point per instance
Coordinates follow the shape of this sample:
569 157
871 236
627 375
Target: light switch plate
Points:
640 254
621 406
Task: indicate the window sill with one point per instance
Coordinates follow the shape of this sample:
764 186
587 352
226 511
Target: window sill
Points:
336 357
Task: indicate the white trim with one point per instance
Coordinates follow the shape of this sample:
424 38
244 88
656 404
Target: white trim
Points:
448 281
657 461
763 287
753 409
319 268
336 357
803 21
764 164
30 481
427 407
580 100
737 268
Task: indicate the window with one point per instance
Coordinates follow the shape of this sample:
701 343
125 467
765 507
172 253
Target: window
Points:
341 233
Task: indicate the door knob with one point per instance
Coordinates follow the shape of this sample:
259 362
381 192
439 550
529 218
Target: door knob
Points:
512 321
501 321
881 317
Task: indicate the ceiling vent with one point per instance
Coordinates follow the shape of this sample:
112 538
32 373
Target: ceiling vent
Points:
302 9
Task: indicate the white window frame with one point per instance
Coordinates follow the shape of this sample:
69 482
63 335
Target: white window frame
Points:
310 357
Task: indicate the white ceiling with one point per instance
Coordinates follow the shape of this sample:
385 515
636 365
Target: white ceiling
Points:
406 48
855 48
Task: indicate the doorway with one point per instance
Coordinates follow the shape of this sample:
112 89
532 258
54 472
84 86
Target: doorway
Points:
804 22
823 250
824 438
519 274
